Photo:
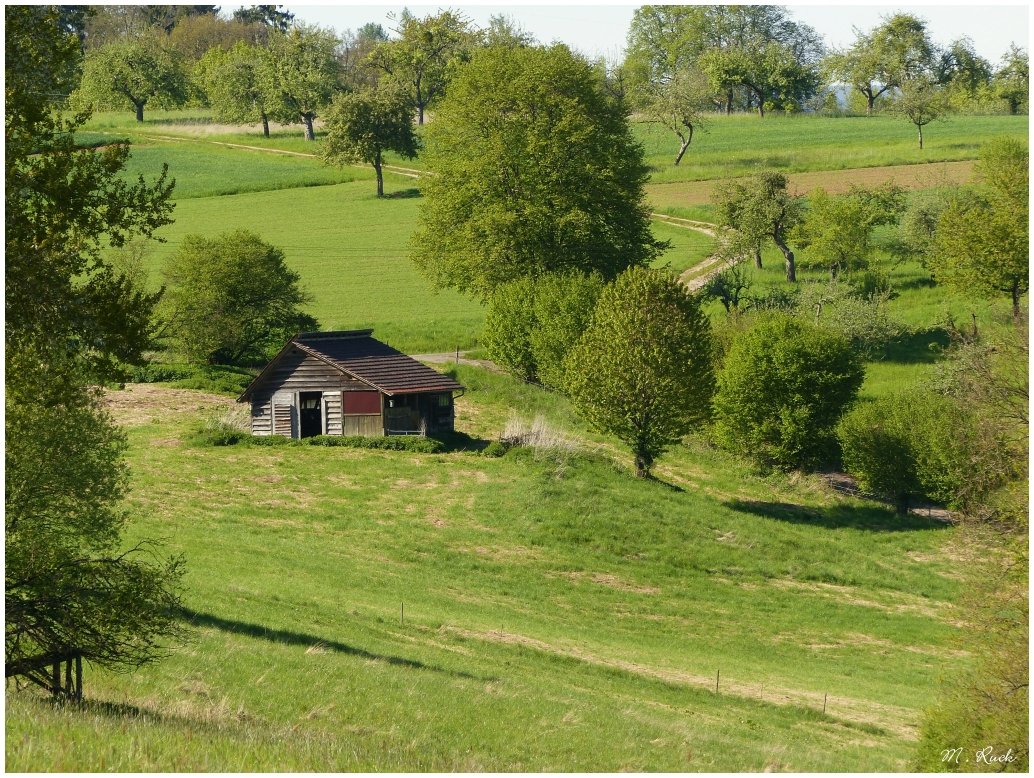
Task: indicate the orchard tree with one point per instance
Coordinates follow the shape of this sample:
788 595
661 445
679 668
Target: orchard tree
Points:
759 208
236 88
535 170
362 125
774 74
921 101
1011 82
301 70
784 387
133 73
232 299
680 105
269 15
982 237
423 56
72 322
642 370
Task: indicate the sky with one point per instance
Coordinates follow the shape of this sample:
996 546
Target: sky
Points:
599 28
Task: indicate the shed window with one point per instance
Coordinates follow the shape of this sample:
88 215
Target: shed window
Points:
444 400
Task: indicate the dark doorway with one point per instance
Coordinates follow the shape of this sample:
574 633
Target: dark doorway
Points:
310 414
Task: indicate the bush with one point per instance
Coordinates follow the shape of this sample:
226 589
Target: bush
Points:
783 389
643 369
414 443
218 379
495 449
508 325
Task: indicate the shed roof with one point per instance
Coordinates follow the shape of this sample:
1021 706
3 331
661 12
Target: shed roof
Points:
355 353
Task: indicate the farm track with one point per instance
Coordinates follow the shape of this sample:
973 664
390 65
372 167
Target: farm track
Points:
402 171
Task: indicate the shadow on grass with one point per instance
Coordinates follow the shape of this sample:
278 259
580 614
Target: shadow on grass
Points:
872 519
923 347
197 619
403 194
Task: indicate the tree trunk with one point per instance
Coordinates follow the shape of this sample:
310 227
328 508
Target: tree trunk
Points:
265 124
902 504
1015 303
139 111
920 136
420 114
761 108
307 119
757 258
642 466
685 145
870 103
380 175
728 103
791 267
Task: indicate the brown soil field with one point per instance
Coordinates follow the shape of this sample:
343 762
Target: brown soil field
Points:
686 193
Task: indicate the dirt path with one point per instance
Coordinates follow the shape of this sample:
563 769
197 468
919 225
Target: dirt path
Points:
443 359
402 171
688 193
689 277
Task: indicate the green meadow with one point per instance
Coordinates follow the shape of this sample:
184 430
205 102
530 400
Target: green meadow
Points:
559 614
354 609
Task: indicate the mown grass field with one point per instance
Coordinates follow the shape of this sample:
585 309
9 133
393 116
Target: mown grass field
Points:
559 613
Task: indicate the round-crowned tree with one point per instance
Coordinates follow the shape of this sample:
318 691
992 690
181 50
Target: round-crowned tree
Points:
642 370
232 299
782 391
535 170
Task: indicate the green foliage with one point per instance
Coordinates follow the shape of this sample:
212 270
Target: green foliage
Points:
361 126
216 379
982 236
509 322
920 102
1012 80
301 72
837 230
535 171
416 444
232 299
783 389
237 87
642 370
495 449
779 76
269 15
133 74
758 209
425 54
71 319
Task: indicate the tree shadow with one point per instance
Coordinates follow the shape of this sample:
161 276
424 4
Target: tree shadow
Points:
870 519
197 619
404 194
923 347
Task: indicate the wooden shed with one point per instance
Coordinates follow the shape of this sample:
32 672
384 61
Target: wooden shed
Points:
347 383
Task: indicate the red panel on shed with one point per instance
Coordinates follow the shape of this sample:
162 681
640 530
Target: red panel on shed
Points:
362 402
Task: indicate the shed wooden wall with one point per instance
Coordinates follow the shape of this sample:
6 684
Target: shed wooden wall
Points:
301 372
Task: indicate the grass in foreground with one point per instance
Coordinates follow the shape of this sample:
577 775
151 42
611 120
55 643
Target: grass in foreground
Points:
559 613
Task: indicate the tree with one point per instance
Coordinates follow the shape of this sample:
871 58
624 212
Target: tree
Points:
531 324
506 31
268 15
1011 82
535 170
961 72
422 56
72 321
133 73
362 125
642 370
758 208
881 61
783 389
836 232
301 69
679 105
982 237
921 101
236 89
773 72
194 36
232 299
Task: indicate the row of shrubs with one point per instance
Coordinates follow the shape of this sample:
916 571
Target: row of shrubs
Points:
217 379
413 443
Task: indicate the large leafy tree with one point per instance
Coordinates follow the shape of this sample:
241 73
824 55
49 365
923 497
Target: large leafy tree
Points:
642 370
424 54
982 238
232 299
301 69
362 125
1011 81
535 170
133 73
269 15
236 88
882 60
759 208
72 320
